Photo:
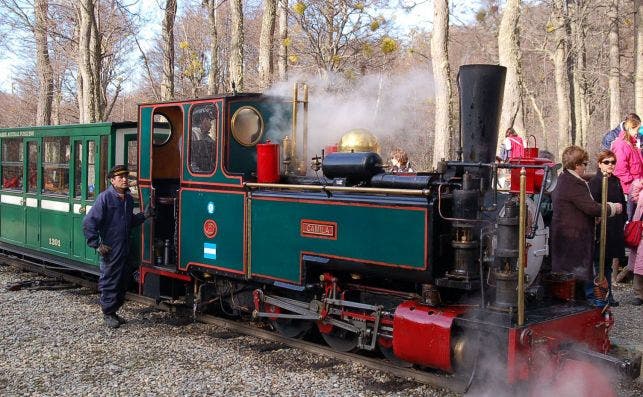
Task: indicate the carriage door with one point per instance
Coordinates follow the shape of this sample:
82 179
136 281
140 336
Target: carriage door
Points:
32 238
85 186
12 200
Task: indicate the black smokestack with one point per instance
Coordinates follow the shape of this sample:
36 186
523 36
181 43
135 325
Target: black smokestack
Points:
481 92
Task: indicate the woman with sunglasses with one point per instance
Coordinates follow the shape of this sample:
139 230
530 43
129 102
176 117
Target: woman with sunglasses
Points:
573 222
630 162
615 244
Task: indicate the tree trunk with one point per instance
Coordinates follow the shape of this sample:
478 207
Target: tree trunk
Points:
96 57
580 123
43 64
282 59
167 84
86 84
265 43
510 57
559 18
638 84
236 45
615 66
213 73
442 77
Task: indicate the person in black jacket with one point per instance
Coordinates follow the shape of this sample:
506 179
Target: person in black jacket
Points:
573 221
615 245
107 228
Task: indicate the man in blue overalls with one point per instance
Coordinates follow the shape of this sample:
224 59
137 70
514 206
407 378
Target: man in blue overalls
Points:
107 228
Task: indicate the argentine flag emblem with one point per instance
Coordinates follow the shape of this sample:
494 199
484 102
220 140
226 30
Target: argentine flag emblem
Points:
209 251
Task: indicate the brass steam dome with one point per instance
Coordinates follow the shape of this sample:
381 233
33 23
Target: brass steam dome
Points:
358 140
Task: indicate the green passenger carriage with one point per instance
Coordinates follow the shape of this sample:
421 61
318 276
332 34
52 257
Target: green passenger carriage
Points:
50 178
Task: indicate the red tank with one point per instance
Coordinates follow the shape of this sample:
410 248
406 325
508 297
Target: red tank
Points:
267 162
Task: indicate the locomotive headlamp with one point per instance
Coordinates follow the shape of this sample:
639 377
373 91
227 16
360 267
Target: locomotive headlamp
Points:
247 126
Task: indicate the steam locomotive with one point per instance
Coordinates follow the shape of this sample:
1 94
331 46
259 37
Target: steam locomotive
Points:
438 269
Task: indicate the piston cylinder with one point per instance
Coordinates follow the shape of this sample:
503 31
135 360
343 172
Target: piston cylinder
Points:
506 289
507 241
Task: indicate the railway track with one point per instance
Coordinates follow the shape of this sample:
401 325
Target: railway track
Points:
453 383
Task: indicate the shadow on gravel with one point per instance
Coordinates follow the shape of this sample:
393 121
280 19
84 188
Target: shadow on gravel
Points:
396 385
266 347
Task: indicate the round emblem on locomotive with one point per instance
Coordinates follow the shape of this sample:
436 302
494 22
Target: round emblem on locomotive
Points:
210 228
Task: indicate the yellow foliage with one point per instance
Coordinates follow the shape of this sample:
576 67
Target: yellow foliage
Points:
336 59
375 25
184 45
287 42
293 59
299 8
359 6
388 45
367 49
549 27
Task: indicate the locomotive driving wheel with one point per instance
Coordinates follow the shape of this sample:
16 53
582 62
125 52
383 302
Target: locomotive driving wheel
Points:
337 338
288 327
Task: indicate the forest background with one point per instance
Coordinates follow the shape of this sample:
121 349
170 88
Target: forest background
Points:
575 68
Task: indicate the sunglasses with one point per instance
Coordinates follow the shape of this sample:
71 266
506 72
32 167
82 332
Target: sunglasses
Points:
608 162
585 163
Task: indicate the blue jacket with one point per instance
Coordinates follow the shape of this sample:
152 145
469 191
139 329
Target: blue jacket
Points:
609 137
110 220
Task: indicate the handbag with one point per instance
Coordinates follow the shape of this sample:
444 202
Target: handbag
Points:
633 232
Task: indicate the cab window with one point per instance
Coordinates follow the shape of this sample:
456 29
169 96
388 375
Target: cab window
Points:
203 124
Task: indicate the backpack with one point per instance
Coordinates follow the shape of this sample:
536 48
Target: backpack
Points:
610 136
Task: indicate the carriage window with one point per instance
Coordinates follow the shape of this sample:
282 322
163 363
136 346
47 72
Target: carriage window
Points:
78 169
32 182
91 170
247 126
162 130
12 163
55 165
203 128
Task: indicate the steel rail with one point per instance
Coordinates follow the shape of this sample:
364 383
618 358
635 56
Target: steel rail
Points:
451 382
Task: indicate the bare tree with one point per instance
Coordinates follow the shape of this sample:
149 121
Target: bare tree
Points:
510 56
561 42
638 84
578 64
266 43
615 64
214 77
442 77
167 84
43 64
284 40
86 82
339 35
236 44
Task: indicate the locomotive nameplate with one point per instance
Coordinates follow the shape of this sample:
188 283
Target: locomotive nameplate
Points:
318 229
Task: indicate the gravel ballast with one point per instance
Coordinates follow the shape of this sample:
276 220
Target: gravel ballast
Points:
54 342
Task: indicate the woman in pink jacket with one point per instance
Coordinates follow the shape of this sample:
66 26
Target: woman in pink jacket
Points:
629 164
636 257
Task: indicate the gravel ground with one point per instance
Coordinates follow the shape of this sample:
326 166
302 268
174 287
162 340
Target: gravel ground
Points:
55 343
